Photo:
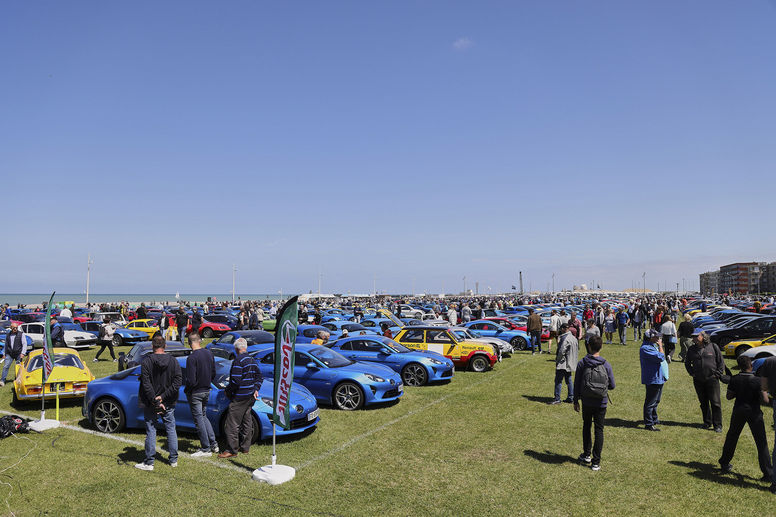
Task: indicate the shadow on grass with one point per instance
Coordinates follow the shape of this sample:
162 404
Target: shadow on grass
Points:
131 455
549 457
711 472
541 400
619 422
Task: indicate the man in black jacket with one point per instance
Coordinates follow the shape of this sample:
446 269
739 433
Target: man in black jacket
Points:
160 380
704 363
182 321
15 349
200 373
196 321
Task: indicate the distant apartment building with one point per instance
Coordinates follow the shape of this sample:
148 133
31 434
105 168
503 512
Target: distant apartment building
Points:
768 278
740 277
709 282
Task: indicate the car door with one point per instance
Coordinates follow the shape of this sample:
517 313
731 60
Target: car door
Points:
317 379
183 417
36 332
440 342
414 339
364 350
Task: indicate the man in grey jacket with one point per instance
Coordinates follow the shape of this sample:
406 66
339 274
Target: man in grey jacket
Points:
565 362
15 349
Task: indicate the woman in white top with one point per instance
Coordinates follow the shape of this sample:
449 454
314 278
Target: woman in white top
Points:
668 329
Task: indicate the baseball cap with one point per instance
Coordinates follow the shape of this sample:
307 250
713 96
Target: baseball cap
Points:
651 333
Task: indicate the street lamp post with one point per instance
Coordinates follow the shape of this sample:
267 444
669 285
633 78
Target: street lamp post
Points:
234 276
88 271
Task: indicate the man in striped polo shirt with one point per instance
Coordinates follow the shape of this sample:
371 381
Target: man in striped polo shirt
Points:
243 390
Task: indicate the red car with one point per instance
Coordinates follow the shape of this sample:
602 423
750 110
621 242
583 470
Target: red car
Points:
209 329
511 325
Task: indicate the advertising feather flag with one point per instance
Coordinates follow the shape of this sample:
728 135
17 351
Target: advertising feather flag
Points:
285 338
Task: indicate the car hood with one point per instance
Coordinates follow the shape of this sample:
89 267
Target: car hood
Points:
375 369
131 333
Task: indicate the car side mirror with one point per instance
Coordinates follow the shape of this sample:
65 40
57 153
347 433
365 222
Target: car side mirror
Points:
383 351
311 365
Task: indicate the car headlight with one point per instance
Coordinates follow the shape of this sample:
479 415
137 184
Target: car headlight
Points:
374 378
434 361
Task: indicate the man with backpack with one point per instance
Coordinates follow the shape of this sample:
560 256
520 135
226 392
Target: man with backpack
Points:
592 382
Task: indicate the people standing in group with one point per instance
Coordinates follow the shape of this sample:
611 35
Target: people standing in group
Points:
590 332
705 365
685 332
745 388
654 374
593 380
622 325
182 322
160 380
565 363
242 391
610 325
14 349
554 329
668 331
105 338
200 373
534 329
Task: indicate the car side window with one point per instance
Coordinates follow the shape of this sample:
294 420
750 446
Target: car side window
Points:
301 359
368 323
227 339
438 336
269 358
310 333
347 346
412 336
485 326
362 345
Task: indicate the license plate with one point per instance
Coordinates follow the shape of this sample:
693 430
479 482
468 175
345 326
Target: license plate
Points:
53 386
312 415
401 388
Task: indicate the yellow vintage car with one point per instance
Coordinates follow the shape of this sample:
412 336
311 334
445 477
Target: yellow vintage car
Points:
149 326
69 373
468 354
736 348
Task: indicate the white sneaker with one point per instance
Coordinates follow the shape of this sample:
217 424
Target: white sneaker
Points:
173 464
200 454
2 383
214 449
595 467
95 360
143 466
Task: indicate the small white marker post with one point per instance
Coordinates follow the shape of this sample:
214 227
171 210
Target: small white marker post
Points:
274 474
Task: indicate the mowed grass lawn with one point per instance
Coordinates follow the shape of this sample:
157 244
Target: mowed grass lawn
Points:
484 444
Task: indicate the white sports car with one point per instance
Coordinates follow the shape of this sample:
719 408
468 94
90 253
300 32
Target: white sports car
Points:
75 336
502 346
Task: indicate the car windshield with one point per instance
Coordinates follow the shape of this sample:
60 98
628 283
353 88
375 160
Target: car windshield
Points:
394 346
59 360
71 326
353 327
463 334
330 358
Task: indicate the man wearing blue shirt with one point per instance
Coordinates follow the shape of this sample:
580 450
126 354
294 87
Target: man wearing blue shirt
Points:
652 377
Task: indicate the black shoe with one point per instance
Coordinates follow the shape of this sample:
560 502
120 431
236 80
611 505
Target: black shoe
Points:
726 467
766 477
651 428
718 429
707 426
568 401
773 488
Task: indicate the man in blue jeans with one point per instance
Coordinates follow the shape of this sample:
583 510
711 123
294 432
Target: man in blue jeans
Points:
622 324
651 356
768 387
200 373
160 380
565 362
534 329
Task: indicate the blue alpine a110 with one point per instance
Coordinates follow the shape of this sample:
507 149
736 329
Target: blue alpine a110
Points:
111 404
335 379
417 367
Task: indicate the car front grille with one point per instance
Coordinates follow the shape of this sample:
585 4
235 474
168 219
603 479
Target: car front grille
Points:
391 393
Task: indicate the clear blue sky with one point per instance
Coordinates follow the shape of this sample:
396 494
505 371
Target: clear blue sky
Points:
417 142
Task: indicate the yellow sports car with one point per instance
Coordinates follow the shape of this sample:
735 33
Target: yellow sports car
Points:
70 374
736 348
148 326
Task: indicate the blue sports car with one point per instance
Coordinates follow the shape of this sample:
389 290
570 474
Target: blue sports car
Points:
121 336
306 333
375 324
487 328
335 328
224 346
336 380
416 367
111 404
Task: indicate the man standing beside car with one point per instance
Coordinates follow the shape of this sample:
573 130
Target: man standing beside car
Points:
15 349
242 391
200 373
182 321
196 320
160 380
534 328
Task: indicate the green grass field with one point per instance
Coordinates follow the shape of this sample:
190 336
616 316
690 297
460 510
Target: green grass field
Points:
484 444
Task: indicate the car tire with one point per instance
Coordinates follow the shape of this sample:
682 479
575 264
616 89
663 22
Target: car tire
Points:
117 341
15 400
414 374
519 343
479 363
740 349
207 333
108 416
348 396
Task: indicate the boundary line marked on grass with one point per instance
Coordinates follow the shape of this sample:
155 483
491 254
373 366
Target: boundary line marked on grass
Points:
396 420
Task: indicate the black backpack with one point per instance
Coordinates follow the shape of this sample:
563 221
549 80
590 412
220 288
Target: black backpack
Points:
595 382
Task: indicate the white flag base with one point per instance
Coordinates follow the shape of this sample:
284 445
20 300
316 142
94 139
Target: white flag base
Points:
274 474
44 424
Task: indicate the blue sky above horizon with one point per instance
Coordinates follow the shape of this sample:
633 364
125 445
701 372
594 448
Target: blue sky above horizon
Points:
405 144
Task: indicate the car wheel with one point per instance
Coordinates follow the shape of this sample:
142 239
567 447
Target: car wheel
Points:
207 333
741 349
348 396
117 341
479 363
15 400
414 374
519 343
107 416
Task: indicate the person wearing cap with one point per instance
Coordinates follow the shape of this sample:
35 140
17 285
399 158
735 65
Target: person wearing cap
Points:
565 362
653 376
15 349
344 333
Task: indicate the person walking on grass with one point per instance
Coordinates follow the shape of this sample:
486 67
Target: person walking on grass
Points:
610 324
622 325
554 328
565 362
160 380
590 332
106 339
534 328
685 331
654 374
242 391
200 373
592 381
668 330
705 365
745 388
182 321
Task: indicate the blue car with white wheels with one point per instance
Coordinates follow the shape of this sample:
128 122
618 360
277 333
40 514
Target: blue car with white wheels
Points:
111 404
121 336
336 380
417 367
486 328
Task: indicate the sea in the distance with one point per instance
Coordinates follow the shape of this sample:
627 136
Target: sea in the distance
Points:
80 299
